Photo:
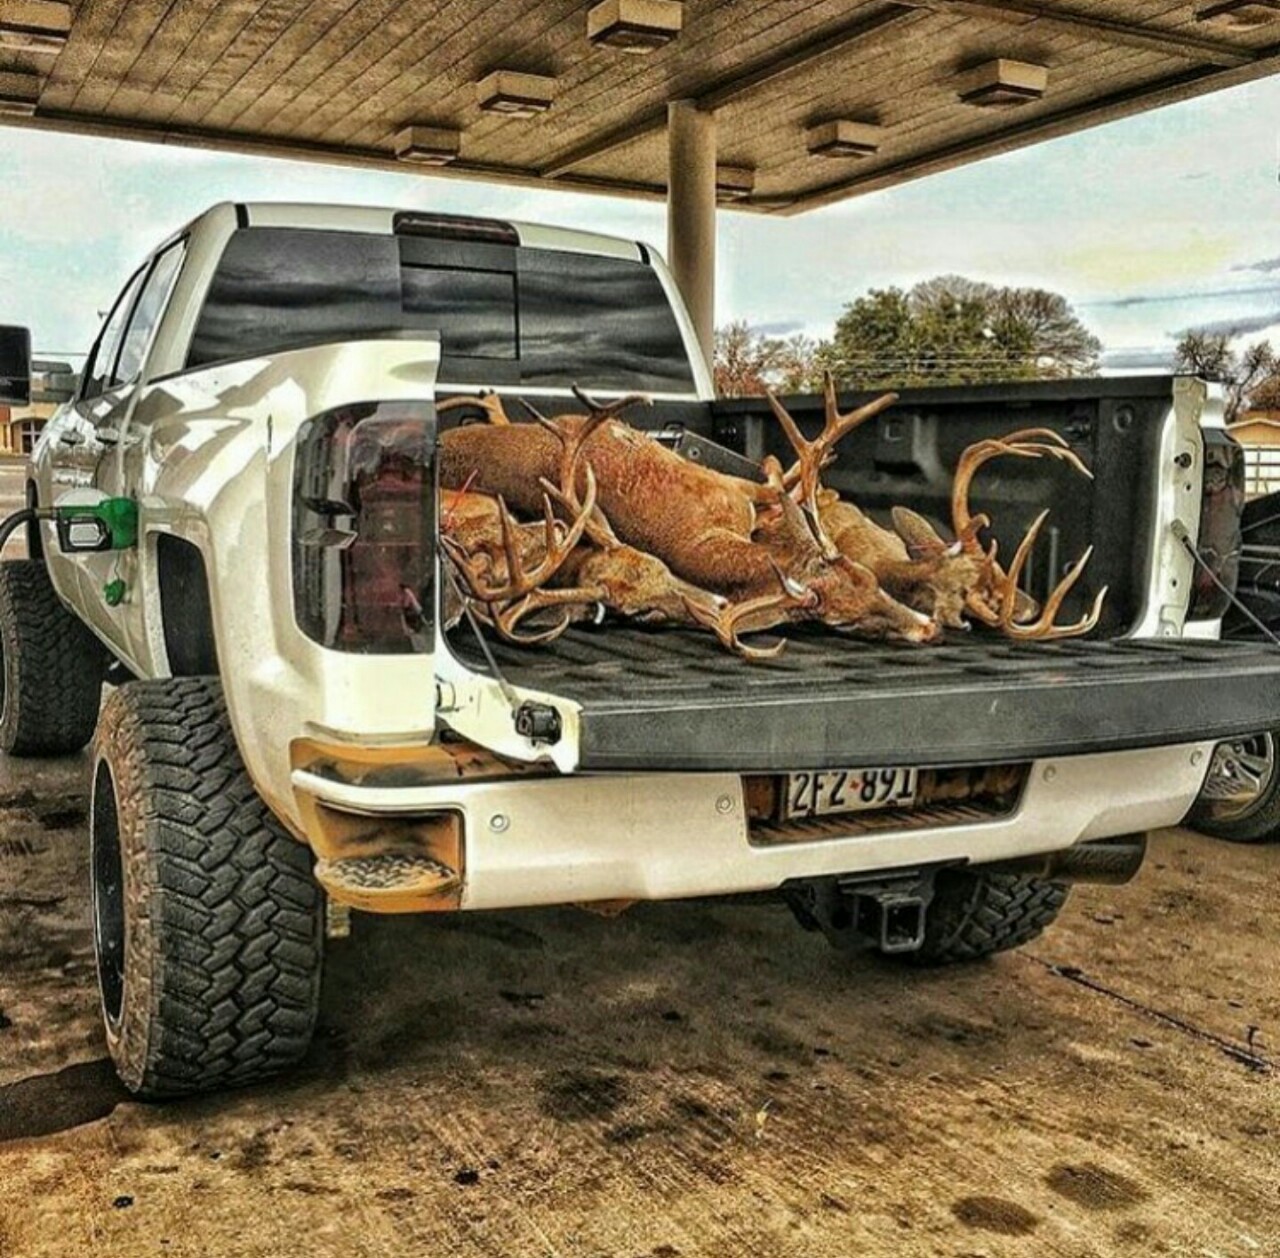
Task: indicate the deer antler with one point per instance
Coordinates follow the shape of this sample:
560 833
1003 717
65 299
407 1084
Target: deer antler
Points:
490 403
521 593
520 580
813 455
597 527
726 623
586 519
610 410
1027 443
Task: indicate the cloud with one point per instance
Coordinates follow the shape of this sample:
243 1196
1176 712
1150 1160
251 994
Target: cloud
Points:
1138 360
1235 327
783 327
1266 266
1169 299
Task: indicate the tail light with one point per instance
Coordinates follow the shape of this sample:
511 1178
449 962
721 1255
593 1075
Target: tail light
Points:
362 528
1221 508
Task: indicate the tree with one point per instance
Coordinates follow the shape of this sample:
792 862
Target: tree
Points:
1250 376
1266 397
748 362
952 330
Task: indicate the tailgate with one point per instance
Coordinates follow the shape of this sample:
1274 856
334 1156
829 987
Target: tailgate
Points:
672 700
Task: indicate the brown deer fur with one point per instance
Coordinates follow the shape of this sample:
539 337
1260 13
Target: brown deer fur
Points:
720 533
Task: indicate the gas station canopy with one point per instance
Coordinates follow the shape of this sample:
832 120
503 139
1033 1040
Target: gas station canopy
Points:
812 102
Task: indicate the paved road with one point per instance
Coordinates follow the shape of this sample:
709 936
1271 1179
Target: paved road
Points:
685 1080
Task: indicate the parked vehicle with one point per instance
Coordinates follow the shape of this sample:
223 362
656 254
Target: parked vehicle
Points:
235 524
1240 799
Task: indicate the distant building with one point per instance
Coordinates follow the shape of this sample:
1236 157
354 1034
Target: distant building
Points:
51 384
20 426
1259 433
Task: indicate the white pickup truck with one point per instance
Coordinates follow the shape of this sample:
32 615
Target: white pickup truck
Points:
234 523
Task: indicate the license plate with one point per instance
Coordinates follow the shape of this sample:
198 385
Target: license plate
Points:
826 791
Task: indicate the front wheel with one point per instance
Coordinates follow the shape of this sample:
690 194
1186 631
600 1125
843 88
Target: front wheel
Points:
1240 799
207 921
51 667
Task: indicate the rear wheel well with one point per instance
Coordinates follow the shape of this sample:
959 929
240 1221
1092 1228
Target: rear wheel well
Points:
186 608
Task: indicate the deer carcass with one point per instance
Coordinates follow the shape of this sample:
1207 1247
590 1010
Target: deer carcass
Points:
512 570
946 580
746 541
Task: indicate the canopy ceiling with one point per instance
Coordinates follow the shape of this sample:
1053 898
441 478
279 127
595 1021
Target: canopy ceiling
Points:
338 80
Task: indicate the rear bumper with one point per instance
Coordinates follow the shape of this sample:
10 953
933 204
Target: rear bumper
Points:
660 836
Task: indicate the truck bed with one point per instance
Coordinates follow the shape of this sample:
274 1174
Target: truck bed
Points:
673 700
908 456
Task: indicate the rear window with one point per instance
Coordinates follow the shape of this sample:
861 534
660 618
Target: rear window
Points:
505 314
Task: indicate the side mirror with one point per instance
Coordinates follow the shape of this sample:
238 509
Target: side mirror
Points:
15 366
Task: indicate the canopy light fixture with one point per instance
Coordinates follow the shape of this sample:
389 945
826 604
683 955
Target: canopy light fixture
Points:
1002 84
734 183
514 94
19 93
638 26
1239 15
844 138
34 25
428 146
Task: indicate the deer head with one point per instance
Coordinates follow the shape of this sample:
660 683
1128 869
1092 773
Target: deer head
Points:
846 593
948 572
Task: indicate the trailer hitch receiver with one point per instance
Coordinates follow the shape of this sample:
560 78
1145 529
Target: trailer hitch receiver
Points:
889 911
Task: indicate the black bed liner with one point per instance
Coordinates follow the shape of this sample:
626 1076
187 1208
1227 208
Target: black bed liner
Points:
674 700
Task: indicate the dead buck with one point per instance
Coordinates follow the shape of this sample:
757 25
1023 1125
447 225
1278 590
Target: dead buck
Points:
506 566
604 572
945 580
639 585
732 537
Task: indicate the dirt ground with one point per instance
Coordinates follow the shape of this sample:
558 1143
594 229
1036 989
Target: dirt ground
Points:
686 1080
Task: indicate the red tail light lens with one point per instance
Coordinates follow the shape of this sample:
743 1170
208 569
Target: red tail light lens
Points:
362 528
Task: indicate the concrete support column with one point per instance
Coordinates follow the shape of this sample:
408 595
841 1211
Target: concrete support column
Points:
691 213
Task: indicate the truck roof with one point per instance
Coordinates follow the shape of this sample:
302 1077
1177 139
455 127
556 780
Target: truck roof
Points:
381 220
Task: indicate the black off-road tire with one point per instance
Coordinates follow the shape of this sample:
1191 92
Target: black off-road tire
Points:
51 667
208 925
1262 825
975 914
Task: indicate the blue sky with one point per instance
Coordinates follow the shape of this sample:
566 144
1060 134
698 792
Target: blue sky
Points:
1149 226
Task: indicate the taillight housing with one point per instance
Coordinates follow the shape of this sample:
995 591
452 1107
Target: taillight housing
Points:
1221 508
363 550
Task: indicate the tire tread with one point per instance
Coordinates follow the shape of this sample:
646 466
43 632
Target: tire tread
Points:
53 667
976 914
235 915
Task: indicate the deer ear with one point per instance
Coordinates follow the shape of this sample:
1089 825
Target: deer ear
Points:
921 538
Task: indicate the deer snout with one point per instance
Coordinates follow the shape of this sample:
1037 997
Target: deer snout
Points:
924 631
681 601
907 625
